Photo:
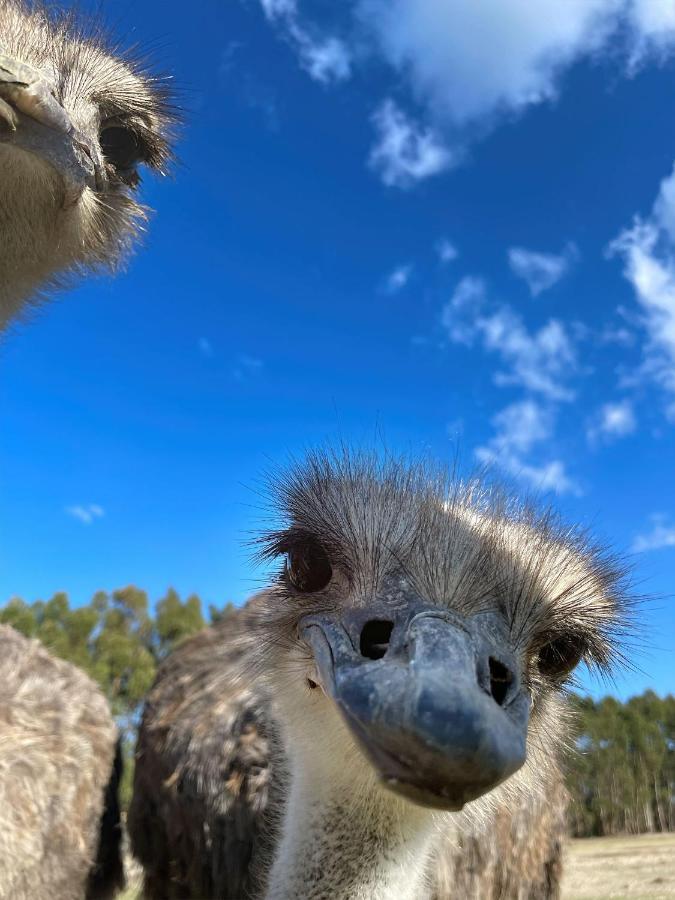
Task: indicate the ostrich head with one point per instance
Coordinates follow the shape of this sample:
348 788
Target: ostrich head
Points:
421 631
76 123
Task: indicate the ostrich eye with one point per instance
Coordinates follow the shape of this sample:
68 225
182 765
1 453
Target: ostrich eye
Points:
307 567
557 658
121 147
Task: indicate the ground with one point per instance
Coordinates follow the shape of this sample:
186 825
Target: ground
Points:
631 868
621 867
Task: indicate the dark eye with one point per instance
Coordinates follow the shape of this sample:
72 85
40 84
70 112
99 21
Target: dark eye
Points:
121 147
307 566
557 658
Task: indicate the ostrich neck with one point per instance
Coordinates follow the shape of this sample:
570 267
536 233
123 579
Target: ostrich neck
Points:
348 838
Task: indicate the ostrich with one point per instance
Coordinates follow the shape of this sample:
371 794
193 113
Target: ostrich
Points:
59 820
386 719
76 121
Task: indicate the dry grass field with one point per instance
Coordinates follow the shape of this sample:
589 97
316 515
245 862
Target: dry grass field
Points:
634 867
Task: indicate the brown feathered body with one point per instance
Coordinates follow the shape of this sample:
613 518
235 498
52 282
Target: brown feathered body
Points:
57 773
224 720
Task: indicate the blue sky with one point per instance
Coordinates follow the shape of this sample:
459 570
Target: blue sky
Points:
444 225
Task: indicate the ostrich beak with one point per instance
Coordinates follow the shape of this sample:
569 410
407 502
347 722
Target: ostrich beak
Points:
32 119
433 700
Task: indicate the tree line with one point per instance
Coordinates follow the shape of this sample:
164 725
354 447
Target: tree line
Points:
621 777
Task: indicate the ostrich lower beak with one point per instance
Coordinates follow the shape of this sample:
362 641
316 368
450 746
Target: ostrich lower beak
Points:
32 120
434 701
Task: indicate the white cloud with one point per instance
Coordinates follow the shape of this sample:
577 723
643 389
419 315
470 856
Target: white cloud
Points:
460 314
613 335
205 347
398 278
447 252
518 429
87 513
648 252
471 63
541 271
542 361
653 28
520 426
326 59
404 151
661 535
246 366
613 420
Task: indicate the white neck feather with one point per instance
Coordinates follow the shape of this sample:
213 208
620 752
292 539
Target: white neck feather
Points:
343 836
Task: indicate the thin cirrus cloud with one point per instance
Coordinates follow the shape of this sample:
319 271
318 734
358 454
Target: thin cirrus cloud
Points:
86 514
613 421
541 271
469 66
325 58
446 250
398 278
543 360
405 151
661 535
518 430
647 249
205 347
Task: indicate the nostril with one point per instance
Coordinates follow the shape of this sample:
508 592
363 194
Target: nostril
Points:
375 638
500 679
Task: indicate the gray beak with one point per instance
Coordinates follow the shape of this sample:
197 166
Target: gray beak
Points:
32 119
434 701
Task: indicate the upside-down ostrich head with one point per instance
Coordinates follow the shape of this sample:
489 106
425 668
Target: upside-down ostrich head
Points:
77 120
432 624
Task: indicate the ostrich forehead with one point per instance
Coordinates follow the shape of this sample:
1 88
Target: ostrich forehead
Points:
457 544
84 71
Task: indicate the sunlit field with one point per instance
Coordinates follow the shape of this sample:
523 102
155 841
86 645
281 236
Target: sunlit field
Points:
635 867
595 868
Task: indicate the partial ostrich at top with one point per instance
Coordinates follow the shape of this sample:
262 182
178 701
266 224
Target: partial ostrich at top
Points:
386 719
76 121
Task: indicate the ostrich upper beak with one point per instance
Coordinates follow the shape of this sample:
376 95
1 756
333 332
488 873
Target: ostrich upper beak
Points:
434 701
32 119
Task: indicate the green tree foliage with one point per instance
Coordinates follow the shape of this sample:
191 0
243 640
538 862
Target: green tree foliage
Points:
117 640
622 777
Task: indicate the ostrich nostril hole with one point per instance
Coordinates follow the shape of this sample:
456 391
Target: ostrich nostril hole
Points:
375 638
500 679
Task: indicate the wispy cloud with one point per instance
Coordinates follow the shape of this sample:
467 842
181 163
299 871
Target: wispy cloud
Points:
519 428
612 421
398 278
542 361
541 271
446 250
648 252
404 151
661 535
205 347
86 514
326 58
246 366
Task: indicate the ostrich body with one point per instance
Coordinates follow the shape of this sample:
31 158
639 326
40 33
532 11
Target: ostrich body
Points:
386 719
76 121
59 822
